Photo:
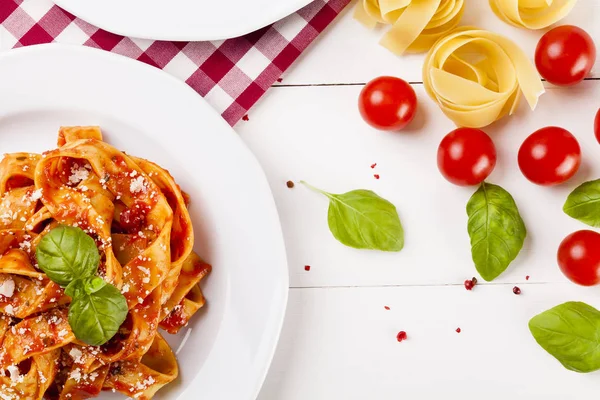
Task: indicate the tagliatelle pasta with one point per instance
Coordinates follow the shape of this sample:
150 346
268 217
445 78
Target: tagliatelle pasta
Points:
476 77
416 24
138 217
532 14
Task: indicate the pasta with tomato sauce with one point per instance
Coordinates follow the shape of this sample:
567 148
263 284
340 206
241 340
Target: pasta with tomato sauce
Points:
138 217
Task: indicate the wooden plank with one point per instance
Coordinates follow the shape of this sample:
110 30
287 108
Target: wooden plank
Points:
317 134
341 344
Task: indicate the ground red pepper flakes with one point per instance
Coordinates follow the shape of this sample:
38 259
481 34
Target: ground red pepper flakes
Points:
245 118
470 283
516 290
376 176
289 184
373 165
279 80
386 307
307 267
527 278
401 336
457 330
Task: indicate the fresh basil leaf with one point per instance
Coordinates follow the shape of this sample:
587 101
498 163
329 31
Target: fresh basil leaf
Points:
93 285
496 230
363 220
73 288
96 317
570 332
583 203
67 253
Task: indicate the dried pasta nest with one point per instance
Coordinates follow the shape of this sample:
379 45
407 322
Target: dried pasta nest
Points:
476 77
532 14
416 24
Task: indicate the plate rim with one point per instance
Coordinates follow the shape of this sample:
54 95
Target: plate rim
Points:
78 9
282 290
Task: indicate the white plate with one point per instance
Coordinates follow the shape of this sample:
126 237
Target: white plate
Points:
181 20
148 113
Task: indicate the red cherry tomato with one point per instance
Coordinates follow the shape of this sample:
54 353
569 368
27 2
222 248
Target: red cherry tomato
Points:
579 257
387 103
466 156
549 156
597 126
565 55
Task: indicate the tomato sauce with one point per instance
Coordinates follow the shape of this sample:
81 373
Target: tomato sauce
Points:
18 181
133 219
176 319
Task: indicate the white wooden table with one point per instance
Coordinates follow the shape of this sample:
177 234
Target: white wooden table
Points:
338 341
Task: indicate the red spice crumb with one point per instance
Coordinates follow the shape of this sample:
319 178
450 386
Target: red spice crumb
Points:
516 290
373 165
457 330
376 176
401 336
470 283
307 267
289 184
279 80
527 278
386 307
245 118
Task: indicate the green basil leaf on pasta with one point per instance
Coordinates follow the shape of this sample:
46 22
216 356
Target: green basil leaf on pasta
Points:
583 203
496 230
97 311
67 253
363 220
570 332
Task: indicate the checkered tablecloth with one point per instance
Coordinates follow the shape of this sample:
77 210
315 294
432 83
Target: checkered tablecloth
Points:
230 74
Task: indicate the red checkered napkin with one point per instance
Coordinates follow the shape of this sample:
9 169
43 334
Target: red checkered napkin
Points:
230 74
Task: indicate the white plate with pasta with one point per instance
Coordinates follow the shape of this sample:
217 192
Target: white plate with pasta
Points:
141 252
181 20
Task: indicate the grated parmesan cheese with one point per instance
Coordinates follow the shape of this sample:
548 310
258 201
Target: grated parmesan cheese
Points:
7 288
36 195
138 185
25 245
14 373
78 174
144 269
76 355
76 375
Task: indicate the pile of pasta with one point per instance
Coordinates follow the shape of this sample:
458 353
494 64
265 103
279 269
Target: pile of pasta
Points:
418 24
138 217
477 76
